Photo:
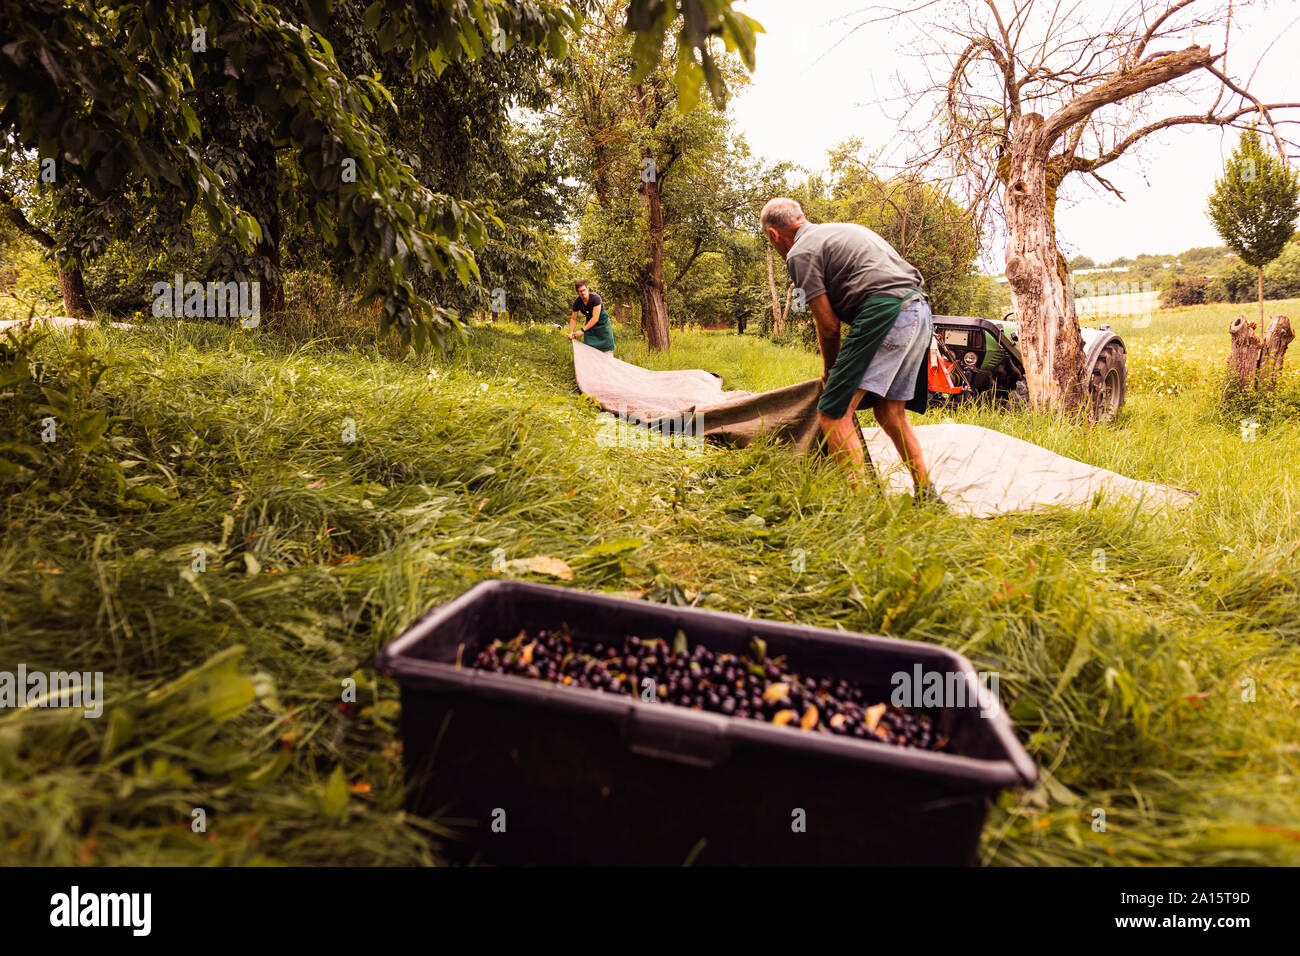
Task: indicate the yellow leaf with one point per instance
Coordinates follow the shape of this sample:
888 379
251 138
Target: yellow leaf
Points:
784 717
540 564
810 719
776 692
871 716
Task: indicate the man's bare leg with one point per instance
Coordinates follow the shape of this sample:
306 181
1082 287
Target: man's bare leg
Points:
845 444
892 416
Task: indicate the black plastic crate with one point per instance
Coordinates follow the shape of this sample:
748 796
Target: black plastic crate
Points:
576 776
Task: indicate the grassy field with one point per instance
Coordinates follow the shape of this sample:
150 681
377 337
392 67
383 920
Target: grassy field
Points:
1151 662
1203 328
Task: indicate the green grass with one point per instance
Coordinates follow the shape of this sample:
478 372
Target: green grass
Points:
1203 328
1125 680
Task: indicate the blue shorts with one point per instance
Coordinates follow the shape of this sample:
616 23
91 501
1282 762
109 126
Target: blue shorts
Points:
896 364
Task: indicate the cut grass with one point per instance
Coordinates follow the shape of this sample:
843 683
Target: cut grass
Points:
1126 643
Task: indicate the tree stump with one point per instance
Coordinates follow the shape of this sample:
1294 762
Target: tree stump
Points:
1273 352
1243 357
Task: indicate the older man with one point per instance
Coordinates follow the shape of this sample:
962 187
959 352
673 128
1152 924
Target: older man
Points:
848 274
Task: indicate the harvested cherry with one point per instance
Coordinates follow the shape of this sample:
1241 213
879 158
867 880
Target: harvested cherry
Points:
753 686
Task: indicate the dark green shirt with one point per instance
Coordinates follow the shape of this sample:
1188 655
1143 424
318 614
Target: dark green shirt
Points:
601 335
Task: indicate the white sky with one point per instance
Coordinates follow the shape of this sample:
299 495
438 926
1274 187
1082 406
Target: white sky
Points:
797 106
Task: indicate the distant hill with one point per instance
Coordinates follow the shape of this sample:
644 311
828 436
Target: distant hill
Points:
1196 275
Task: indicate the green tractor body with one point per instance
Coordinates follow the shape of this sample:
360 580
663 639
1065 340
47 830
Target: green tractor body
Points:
982 358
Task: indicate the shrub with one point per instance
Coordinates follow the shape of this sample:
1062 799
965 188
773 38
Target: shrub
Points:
1240 404
1186 290
52 430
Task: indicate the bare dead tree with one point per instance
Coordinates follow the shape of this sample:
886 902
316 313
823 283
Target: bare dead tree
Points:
1031 91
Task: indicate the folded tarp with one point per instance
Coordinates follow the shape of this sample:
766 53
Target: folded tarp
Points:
978 471
696 399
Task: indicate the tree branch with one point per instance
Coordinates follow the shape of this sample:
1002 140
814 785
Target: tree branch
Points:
690 261
1202 119
1154 73
1136 55
20 221
1260 107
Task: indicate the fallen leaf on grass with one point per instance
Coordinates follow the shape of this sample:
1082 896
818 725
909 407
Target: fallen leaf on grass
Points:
540 564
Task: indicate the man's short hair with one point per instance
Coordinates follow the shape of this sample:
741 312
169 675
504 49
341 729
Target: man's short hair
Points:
780 213
579 284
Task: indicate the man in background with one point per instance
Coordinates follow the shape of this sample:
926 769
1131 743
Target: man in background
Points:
596 329
850 275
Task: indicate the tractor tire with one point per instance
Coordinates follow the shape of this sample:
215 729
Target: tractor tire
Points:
1108 382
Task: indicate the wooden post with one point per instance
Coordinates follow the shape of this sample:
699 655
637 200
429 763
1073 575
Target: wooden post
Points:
1243 357
1273 351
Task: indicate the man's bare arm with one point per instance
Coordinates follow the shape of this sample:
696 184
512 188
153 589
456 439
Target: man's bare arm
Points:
573 322
828 332
595 317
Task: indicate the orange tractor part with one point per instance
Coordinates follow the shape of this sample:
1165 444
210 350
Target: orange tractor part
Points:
940 378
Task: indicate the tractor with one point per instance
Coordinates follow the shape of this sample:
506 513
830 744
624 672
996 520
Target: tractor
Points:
972 358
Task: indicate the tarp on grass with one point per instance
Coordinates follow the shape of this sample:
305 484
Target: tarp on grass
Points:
978 471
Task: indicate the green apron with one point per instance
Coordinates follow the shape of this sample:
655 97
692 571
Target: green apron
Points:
875 317
601 335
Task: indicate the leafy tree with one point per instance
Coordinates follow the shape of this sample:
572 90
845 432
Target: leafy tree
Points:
917 218
107 91
664 183
1082 262
1254 206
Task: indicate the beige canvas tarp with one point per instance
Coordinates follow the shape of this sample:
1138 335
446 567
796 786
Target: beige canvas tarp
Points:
978 471
734 417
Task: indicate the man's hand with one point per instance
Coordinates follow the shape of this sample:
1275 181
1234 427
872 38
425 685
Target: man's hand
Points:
828 333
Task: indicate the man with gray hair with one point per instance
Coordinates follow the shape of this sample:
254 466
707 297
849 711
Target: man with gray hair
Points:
848 274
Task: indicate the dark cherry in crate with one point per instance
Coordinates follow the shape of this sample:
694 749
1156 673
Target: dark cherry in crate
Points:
753 685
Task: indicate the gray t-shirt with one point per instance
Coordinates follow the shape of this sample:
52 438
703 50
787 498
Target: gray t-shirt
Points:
849 263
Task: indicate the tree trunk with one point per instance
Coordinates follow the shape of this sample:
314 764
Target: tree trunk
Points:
1049 331
620 313
1273 351
654 309
785 312
75 302
1245 351
771 285
1259 278
654 317
263 188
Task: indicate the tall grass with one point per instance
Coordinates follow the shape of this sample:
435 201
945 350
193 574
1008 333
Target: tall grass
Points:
1126 642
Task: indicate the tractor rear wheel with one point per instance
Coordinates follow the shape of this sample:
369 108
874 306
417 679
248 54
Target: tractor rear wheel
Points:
1108 382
